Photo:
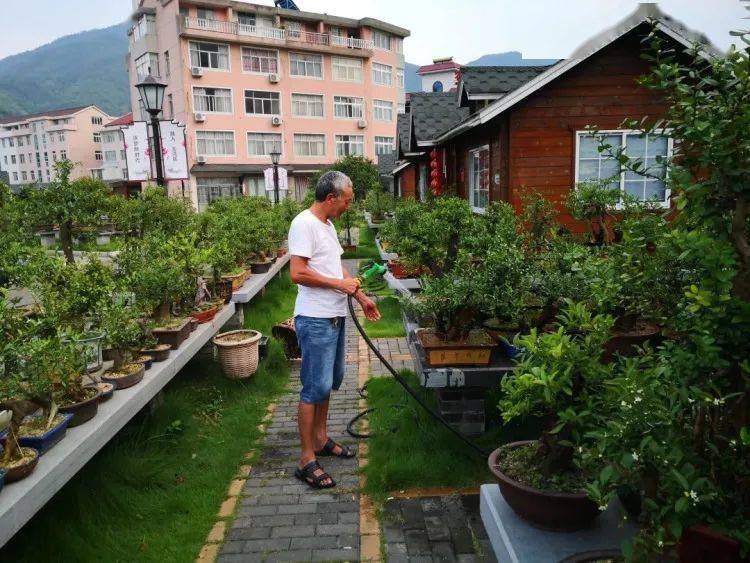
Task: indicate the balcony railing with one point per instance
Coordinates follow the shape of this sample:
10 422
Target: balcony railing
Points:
279 34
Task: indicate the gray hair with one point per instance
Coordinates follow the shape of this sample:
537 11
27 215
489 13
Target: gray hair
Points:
332 182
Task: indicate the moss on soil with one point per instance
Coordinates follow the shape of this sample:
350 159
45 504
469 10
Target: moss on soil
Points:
37 426
520 465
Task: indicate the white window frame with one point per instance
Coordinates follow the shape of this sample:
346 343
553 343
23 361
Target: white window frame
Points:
347 63
266 155
217 68
380 37
295 139
149 58
203 87
400 78
624 133
347 144
244 101
231 185
234 143
307 104
306 63
260 72
382 110
472 153
98 156
352 104
379 142
378 72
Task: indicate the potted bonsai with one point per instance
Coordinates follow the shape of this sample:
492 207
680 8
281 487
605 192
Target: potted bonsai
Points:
347 221
593 201
124 336
556 379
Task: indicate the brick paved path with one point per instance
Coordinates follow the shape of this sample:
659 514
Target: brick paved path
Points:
395 350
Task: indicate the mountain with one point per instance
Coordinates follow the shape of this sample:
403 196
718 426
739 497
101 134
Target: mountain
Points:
84 68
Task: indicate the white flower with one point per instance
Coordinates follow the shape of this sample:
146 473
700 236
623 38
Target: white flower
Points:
638 399
623 404
602 507
580 449
660 544
694 496
691 400
733 443
718 401
635 456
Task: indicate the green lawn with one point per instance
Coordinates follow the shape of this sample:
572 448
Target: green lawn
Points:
390 324
153 492
367 249
411 449
276 305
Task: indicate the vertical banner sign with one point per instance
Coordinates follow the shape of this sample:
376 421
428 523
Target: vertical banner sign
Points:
174 150
137 153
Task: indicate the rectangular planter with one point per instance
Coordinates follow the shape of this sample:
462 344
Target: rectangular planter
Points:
174 336
455 353
45 442
237 280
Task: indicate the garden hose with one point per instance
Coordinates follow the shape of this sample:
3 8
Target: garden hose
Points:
436 415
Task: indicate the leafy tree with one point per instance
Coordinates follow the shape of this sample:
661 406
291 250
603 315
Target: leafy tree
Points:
362 172
152 211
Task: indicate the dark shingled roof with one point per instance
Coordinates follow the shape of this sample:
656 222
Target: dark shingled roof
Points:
402 127
48 113
435 112
497 79
386 164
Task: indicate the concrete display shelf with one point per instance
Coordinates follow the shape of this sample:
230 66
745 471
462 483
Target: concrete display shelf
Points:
368 218
516 541
257 282
21 500
383 254
404 287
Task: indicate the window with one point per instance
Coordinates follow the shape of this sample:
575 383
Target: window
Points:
381 40
108 137
147 63
15 176
10 141
400 78
347 69
170 105
96 173
33 176
124 173
347 107
397 43
307 105
22 158
12 159
264 61
349 145
382 110
437 86
293 29
61 137
20 141
401 107
5 158
24 176
206 14
209 55
245 18
211 189
123 155
215 143
110 156
651 150
97 137
167 64
382 74
63 156
146 25
184 11
97 156
213 100
258 102
262 144
479 177
384 145
310 66
310 145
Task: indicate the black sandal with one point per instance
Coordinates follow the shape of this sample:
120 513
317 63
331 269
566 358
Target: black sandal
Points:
330 446
307 474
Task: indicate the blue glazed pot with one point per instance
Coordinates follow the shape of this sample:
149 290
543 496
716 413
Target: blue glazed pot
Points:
45 442
509 350
2 478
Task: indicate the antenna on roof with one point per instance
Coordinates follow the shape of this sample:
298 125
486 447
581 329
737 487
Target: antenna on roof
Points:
286 4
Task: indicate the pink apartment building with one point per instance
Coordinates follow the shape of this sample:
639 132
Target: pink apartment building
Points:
31 144
247 79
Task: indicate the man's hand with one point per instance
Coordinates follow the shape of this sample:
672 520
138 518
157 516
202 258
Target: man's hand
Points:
368 306
350 286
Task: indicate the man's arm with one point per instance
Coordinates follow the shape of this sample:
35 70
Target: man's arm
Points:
368 305
302 274
359 295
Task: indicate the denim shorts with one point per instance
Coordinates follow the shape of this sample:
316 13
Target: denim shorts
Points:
323 344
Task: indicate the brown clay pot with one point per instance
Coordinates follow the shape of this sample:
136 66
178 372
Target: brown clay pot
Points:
127 380
207 315
173 336
158 354
625 342
701 544
261 267
83 411
22 471
560 512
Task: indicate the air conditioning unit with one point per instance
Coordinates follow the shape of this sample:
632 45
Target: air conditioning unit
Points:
200 159
274 78
199 117
276 120
362 123
196 71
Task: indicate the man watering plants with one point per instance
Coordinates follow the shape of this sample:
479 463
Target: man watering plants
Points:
319 315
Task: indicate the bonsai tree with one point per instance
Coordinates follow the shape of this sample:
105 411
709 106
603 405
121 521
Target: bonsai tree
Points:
152 211
362 172
593 201
347 220
123 333
378 202
538 219
399 227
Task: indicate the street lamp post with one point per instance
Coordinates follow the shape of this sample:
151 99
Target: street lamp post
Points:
275 159
151 92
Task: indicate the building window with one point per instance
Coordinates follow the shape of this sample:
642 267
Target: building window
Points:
124 173
381 40
170 105
437 86
97 156
382 110
384 145
211 189
212 100
258 102
401 107
479 177
110 156
307 105
5 158
215 143
400 78
263 144
310 145
97 137
96 173
20 141
147 63
209 55
347 69
24 176
347 107
350 145
206 14
33 175
63 156
10 142
651 150
264 61
22 158
12 159
61 137
245 18
310 66
15 176
167 64
382 74
123 155
108 137
146 25
398 44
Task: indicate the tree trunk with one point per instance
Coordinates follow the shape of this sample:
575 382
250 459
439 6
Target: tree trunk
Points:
66 240
741 244
553 457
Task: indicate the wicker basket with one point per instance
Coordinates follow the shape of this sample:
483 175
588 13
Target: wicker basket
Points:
238 358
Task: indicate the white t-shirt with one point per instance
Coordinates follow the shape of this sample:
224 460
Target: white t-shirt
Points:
311 238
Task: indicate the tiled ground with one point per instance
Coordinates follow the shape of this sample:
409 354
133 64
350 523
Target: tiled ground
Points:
395 350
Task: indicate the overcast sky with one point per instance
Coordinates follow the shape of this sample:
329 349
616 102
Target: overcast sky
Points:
465 29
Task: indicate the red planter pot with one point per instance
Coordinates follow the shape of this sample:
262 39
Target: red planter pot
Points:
701 544
208 315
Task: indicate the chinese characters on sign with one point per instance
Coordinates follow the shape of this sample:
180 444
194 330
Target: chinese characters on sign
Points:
137 151
283 183
174 153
